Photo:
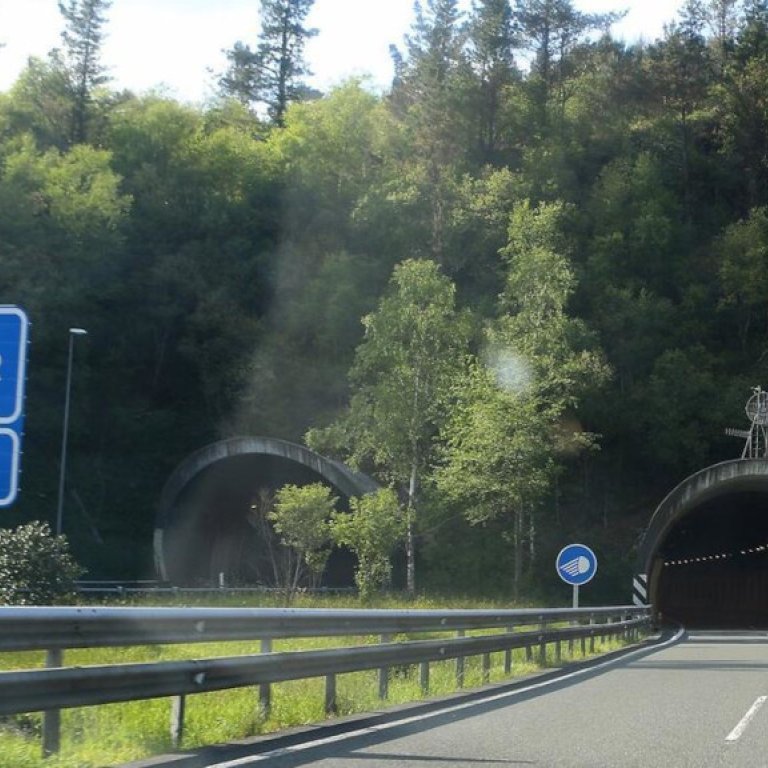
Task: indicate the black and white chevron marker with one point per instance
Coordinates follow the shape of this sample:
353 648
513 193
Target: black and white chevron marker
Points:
640 589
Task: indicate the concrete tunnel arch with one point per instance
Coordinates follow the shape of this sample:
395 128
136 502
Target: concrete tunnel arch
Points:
705 551
241 463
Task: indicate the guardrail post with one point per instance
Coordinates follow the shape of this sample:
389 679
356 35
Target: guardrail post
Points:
460 664
384 673
528 653
486 668
542 643
265 690
424 677
178 708
508 656
558 652
592 633
52 717
583 645
330 695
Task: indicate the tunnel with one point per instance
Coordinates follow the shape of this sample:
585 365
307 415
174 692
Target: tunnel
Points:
705 552
211 525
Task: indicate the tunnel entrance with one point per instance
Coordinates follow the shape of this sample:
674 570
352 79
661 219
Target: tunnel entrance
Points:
706 550
212 517
715 564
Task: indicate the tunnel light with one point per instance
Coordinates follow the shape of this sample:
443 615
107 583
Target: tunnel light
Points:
743 551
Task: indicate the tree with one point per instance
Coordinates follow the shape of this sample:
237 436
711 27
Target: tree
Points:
300 517
498 454
272 74
509 423
36 567
743 257
683 74
722 17
535 324
82 38
741 101
413 347
550 29
430 96
492 38
40 102
371 530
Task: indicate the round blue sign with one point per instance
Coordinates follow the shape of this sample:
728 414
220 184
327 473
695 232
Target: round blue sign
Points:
576 564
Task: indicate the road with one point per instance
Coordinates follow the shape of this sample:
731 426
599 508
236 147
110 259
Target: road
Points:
697 702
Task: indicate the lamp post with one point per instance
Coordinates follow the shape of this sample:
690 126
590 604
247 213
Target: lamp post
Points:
60 509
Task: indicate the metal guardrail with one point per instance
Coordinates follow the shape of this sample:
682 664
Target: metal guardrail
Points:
57 629
154 587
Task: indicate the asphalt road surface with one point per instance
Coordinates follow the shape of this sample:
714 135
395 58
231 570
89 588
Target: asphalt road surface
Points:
693 702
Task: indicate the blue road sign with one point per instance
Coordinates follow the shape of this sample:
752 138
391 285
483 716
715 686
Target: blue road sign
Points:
14 328
576 564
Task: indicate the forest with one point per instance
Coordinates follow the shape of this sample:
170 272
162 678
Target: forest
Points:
522 287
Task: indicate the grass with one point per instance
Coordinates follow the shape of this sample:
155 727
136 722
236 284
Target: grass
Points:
93 737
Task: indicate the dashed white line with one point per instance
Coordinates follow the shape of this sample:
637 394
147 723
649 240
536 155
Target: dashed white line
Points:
736 733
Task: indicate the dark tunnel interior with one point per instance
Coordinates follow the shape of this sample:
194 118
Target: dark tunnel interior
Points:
715 564
215 526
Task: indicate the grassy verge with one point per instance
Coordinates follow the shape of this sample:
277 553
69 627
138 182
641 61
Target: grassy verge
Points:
111 734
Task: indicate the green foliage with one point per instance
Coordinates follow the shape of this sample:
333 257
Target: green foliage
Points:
36 567
301 517
497 456
413 345
372 529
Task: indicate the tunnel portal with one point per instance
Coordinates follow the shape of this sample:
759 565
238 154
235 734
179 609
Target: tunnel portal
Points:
210 519
706 549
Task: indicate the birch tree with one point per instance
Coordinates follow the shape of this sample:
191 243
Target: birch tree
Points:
412 350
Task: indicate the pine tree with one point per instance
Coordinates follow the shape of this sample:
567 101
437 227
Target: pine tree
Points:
550 30
492 39
272 74
82 38
430 96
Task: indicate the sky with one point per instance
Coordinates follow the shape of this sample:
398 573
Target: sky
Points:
177 45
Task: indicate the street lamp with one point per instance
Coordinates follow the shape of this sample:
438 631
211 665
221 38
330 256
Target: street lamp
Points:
60 510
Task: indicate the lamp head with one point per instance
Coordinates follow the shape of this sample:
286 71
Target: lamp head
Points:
78 331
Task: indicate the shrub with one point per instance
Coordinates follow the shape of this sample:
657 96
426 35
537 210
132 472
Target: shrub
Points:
36 567
372 530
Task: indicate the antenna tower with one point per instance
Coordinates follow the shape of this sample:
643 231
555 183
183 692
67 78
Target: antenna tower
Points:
756 437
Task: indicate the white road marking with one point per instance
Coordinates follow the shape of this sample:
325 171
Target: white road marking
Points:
735 734
284 751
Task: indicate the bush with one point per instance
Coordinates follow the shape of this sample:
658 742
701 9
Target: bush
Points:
372 530
36 567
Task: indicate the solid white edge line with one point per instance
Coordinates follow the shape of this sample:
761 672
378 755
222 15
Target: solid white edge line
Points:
284 751
736 733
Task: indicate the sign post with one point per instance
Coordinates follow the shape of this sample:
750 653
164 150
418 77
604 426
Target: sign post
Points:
576 564
14 328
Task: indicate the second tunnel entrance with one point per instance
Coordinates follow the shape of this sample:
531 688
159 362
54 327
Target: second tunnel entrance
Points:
706 550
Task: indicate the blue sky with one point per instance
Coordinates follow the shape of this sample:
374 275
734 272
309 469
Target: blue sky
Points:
178 43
